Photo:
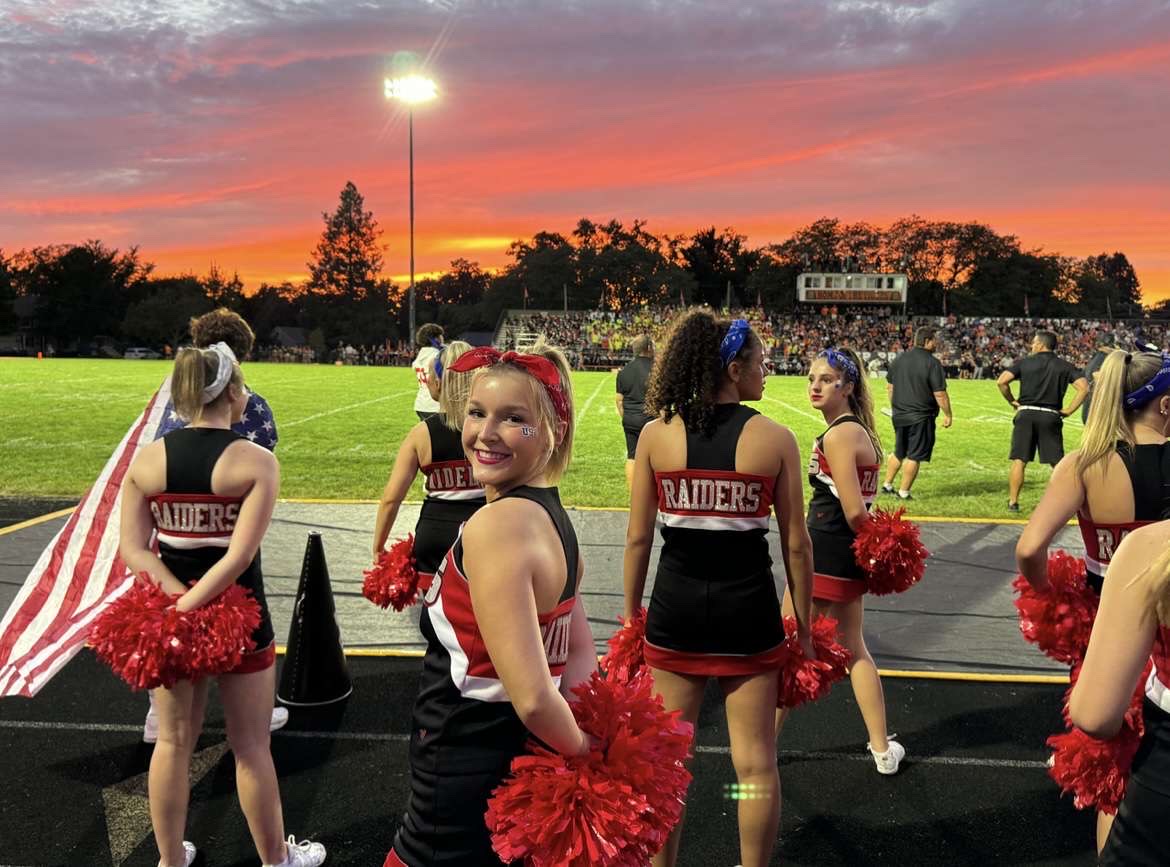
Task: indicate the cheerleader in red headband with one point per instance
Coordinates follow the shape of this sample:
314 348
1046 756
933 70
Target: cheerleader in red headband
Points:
506 632
843 473
713 470
434 447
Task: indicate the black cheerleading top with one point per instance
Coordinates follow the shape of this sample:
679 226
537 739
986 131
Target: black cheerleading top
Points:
452 497
463 718
825 513
1148 466
194 526
448 475
714 518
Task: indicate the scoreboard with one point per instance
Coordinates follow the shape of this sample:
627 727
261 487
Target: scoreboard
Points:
823 287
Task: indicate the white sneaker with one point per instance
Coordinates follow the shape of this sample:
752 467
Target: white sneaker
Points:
887 762
150 727
303 854
189 850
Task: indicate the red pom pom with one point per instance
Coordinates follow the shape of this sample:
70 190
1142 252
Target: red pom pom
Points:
149 643
613 807
393 580
1094 771
803 679
142 637
627 647
222 631
1058 620
889 551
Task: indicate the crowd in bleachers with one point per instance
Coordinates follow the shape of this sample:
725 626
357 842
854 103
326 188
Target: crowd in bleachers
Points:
972 347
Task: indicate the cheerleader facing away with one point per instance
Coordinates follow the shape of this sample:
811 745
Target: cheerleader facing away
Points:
843 473
207 465
507 635
1116 482
714 469
434 447
1134 618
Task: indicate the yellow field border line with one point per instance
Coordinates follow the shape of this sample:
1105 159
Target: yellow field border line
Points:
32 522
925 519
968 676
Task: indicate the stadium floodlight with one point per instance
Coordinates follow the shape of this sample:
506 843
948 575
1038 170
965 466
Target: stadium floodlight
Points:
411 90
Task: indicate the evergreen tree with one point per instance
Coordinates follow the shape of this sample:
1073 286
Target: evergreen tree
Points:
347 261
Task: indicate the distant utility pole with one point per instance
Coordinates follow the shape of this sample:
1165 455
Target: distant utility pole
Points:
729 295
565 290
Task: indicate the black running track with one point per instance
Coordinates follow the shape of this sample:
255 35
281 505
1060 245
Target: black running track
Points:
972 791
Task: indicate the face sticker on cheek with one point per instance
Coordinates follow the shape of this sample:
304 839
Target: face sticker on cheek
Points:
526 431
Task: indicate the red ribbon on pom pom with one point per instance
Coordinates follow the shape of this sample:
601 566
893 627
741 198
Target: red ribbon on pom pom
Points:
1093 771
393 579
613 807
627 647
803 679
1058 620
890 552
149 643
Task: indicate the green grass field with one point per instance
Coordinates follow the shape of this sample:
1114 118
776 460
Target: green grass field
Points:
340 427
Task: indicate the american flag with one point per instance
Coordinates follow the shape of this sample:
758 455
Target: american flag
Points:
80 572
76 576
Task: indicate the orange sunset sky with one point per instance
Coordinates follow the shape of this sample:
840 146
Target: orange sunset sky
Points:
217 132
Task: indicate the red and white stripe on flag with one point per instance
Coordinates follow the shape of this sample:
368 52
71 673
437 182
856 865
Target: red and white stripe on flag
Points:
76 576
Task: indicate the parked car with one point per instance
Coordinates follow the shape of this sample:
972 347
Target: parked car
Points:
141 352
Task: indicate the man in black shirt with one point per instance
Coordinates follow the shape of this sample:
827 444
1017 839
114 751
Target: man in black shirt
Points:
1105 345
1039 419
917 388
631 397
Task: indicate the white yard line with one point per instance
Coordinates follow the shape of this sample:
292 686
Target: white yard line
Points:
588 403
284 425
394 737
817 418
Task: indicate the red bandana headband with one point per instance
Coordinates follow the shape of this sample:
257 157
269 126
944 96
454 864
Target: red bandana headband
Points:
534 365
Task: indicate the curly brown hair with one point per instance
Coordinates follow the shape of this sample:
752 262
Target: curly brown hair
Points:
687 373
226 325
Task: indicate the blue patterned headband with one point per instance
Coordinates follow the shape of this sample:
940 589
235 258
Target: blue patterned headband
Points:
842 362
733 342
438 344
1157 385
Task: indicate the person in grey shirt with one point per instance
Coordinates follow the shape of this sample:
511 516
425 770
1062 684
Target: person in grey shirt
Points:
1105 345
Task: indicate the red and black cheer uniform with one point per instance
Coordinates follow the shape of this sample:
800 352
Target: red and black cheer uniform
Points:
464 731
714 608
1149 474
453 496
836 575
1141 834
195 526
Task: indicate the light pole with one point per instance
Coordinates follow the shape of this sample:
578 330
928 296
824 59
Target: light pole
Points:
411 89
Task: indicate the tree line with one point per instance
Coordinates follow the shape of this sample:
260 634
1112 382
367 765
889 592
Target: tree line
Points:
79 292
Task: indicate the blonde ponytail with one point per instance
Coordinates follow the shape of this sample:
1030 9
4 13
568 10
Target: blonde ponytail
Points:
1109 422
194 370
455 386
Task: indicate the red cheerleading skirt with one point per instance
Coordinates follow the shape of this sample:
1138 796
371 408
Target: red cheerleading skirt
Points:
829 588
712 664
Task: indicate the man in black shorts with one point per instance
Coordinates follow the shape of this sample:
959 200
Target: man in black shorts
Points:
1039 421
631 397
917 388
